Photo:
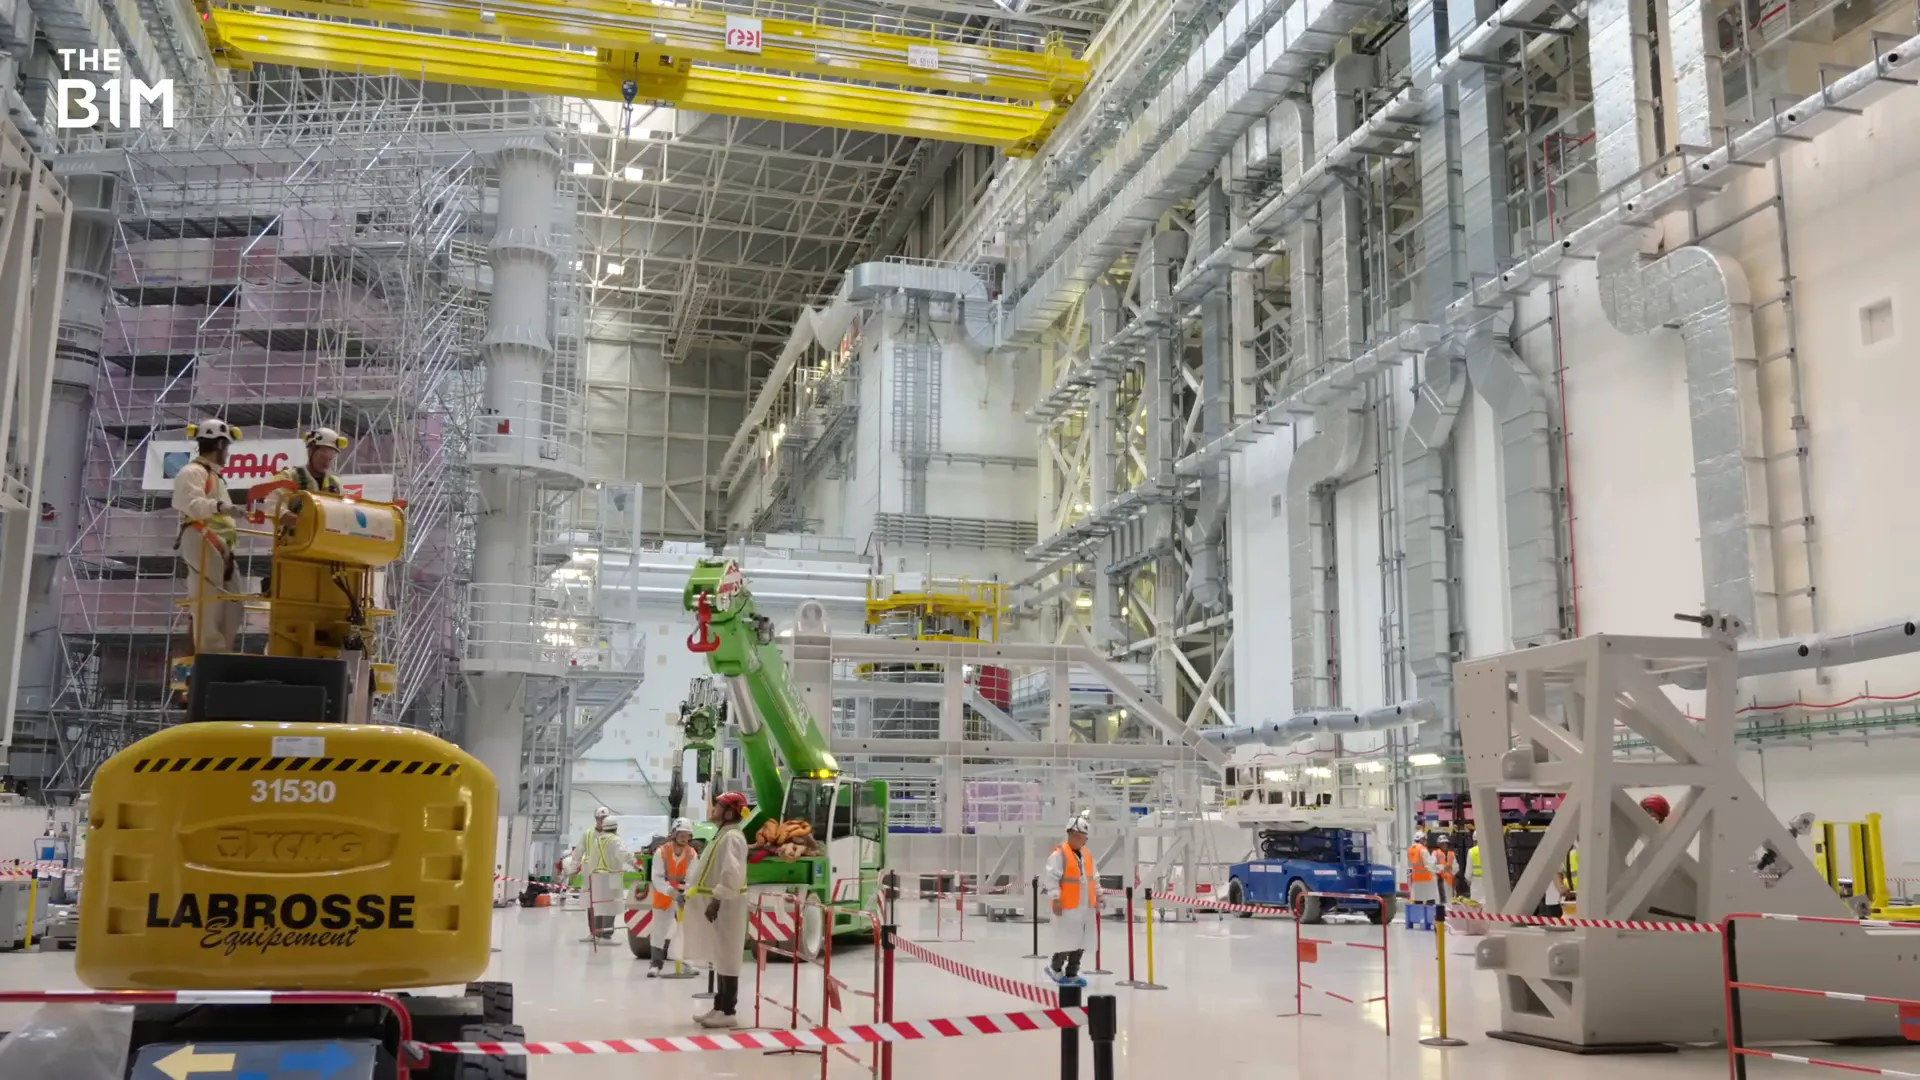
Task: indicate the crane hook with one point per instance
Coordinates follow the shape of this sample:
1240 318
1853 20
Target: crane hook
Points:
703 639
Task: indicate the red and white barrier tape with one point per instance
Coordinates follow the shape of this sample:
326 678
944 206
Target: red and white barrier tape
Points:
806 1038
22 870
1039 995
1824 1063
1472 915
1222 905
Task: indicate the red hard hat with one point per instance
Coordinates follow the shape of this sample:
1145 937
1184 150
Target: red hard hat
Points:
732 799
1656 807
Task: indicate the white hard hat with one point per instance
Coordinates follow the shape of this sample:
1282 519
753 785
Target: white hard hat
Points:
680 825
1078 823
600 813
325 436
609 823
213 429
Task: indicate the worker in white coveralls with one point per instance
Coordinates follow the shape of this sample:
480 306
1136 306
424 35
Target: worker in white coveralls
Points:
672 869
1075 886
716 920
207 535
604 860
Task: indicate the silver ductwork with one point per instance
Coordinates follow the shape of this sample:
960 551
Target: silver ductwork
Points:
1343 325
1876 641
1334 451
1698 93
1306 725
1167 153
1519 407
1426 537
1705 294
1207 536
1303 238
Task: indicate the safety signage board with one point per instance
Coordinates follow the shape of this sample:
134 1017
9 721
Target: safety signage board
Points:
923 57
343 1059
744 34
250 463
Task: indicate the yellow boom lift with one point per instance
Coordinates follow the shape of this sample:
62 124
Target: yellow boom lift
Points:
276 840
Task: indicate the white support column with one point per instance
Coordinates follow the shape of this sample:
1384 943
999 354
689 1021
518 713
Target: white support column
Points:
953 781
30 292
517 351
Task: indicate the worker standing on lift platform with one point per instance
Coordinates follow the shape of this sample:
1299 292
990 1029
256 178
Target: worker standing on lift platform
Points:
323 446
207 536
1076 902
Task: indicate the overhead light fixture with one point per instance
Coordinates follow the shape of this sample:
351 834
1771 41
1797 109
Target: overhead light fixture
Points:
615 269
1320 771
1083 602
1371 767
1275 776
632 174
583 168
1424 760
589 127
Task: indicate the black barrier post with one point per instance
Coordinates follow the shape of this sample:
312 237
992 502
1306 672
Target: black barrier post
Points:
887 932
1103 1027
1036 954
1070 1036
707 994
1736 1029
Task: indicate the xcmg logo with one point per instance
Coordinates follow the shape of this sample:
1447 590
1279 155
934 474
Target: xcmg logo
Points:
77 99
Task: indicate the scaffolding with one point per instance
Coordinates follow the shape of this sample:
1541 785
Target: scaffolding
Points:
312 251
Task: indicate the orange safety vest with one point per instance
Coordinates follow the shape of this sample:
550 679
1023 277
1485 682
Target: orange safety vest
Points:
1448 867
1076 868
1418 871
676 875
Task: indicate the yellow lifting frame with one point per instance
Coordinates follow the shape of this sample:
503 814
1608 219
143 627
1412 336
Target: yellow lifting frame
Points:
678 36
241 39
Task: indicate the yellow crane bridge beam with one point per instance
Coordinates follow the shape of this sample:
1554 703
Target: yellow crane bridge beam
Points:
241 39
677 36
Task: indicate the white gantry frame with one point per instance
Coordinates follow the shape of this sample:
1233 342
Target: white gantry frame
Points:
1595 719
34 218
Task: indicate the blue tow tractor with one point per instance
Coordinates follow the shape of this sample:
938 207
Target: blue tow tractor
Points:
1313 859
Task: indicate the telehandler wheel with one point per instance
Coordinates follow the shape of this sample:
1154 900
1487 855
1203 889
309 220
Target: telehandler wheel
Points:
496 999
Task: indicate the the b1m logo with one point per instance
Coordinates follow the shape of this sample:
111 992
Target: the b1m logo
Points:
78 100
744 34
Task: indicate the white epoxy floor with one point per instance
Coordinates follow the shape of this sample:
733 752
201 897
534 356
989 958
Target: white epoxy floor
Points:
1228 979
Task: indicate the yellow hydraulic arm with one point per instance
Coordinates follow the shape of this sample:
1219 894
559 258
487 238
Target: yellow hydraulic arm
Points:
703 60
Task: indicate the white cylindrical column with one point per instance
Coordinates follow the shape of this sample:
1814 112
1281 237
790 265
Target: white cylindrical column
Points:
83 316
517 351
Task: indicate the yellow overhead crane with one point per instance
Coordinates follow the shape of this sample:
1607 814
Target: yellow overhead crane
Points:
983 94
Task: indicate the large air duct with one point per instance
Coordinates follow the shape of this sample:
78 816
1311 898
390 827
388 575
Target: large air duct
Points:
1207 537
1875 641
1327 458
1701 292
1427 537
1303 238
1335 113
1306 725
1519 407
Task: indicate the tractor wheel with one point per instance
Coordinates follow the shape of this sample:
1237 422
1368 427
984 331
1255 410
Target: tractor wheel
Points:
1383 912
1237 894
496 1001
640 944
1306 909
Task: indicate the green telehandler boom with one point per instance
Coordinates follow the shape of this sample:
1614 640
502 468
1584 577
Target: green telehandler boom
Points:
793 773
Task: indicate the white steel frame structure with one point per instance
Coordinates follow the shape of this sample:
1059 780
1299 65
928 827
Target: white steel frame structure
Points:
35 215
